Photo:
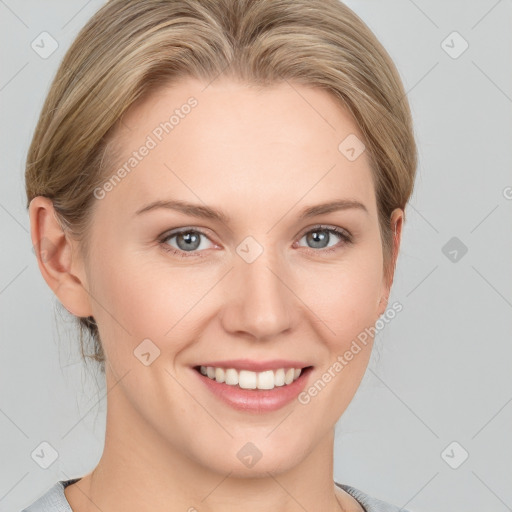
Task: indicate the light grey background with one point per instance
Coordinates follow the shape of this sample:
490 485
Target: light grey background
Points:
441 370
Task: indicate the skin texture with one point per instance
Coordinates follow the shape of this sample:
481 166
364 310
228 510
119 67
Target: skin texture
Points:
261 155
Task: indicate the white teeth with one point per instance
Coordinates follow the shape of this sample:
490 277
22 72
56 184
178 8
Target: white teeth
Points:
246 379
219 375
266 380
279 377
231 377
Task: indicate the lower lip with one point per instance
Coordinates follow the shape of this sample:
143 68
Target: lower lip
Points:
256 400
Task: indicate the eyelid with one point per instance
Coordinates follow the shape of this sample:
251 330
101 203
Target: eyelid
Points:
338 229
184 229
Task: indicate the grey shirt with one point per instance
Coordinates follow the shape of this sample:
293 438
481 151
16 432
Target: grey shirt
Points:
54 500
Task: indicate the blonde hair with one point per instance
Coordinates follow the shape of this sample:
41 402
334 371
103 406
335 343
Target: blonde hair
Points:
129 48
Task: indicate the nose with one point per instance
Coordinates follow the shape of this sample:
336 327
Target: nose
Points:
260 303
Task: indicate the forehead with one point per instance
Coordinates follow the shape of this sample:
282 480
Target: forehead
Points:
237 142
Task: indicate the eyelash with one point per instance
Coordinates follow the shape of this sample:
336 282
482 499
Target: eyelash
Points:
345 237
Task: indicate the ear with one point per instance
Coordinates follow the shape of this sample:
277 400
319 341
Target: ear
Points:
57 257
396 221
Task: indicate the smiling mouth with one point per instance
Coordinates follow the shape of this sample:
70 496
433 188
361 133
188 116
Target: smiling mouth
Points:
246 379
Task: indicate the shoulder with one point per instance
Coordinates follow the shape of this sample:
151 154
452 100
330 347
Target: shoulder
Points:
53 500
367 502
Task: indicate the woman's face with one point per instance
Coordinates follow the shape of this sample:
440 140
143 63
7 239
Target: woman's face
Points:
260 281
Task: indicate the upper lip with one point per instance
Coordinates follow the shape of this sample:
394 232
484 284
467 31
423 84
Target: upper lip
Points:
256 366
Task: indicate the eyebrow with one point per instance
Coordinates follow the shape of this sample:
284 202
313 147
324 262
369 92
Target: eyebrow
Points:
206 212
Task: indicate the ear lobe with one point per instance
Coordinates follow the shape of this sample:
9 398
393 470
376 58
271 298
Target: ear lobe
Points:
55 252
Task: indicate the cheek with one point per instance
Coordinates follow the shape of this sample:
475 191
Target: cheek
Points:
121 304
138 298
344 297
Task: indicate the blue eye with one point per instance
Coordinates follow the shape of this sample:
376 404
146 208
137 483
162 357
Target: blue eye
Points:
189 241
321 234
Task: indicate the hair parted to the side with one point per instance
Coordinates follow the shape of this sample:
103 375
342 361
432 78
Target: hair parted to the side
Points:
129 48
